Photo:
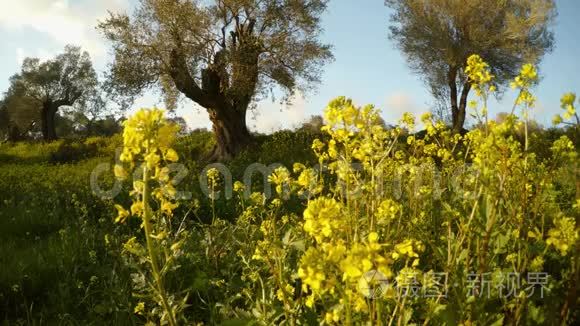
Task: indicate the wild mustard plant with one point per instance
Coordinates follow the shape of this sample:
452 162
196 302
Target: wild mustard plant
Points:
527 79
408 228
570 116
481 81
148 139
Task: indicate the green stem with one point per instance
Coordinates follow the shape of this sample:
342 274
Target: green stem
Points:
150 248
379 312
348 312
526 144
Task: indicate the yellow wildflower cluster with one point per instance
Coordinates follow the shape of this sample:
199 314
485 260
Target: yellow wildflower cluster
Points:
364 257
527 78
333 268
388 210
347 248
307 181
148 137
323 217
357 130
567 104
564 235
312 272
406 247
213 175
281 178
479 75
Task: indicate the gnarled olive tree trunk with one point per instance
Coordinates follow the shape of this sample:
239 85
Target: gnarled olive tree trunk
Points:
47 118
226 100
230 131
48 123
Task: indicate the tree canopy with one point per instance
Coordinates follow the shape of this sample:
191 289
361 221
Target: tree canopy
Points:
437 37
221 54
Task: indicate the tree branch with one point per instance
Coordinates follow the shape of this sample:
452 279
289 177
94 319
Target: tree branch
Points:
185 83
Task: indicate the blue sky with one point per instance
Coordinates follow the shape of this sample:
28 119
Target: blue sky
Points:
368 68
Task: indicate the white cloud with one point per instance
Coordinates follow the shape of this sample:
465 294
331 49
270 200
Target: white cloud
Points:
195 117
269 117
400 102
40 53
20 56
62 20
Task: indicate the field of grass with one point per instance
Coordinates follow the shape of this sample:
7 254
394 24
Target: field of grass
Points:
57 267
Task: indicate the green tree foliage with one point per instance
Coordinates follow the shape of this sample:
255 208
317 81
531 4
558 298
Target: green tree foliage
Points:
20 115
181 123
221 54
4 120
437 36
313 124
44 87
96 117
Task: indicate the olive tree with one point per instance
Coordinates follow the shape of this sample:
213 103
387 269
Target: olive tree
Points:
67 80
221 54
437 37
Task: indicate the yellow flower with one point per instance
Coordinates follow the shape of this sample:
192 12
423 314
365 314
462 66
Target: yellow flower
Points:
373 237
147 132
167 207
162 174
567 100
408 120
171 155
332 317
322 217
213 175
137 208
120 172
567 103
529 72
310 301
238 186
288 291
408 248
479 75
362 258
316 274
527 78
140 308
280 176
152 159
388 210
564 235
317 145
311 271
537 264
122 214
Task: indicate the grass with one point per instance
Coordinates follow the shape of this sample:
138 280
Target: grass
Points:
57 267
